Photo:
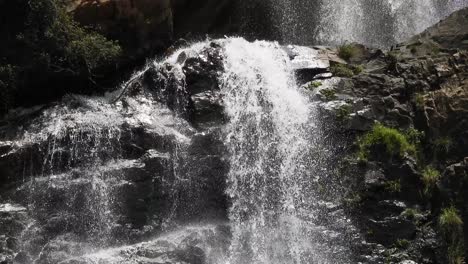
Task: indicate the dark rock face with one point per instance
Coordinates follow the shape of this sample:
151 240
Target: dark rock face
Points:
420 85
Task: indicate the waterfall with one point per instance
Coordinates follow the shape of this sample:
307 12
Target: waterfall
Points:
270 135
375 23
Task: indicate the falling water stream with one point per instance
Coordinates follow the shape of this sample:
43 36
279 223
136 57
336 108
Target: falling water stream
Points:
375 23
269 137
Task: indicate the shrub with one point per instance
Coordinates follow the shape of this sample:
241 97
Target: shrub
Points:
328 94
410 213
343 112
347 51
443 144
387 141
402 243
414 136
450 221
341 70
313 85
393 186
43 42
430 177
419 101
358 69
346 70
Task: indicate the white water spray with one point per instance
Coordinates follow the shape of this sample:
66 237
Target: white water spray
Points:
269 137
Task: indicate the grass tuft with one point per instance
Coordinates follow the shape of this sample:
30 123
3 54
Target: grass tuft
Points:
347 51
384 140
430 177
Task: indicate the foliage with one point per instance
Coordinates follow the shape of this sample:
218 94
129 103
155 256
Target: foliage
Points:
346 70
443 144
328 94
410 213
42 41
393 186
414 136
343 112
419 100
402 243
430 177
358 69
450 221
341 70
388 140
313 85
451 226
347 51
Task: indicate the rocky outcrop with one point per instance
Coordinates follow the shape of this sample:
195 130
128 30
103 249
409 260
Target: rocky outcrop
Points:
418 87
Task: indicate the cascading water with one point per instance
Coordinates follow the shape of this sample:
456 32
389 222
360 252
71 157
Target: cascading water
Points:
376 23
270 137
116 173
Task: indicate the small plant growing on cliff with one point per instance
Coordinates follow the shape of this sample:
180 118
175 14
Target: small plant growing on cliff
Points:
348 71
451 226
419 101
343 112
328 94
313 85
410 213
358 69
393 186
384 140
341 70
430 177
347 51
443 144
402 243
450 221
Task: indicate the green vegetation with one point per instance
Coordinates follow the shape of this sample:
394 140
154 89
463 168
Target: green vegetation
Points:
451 226
402 243
410 213
393 186
313 85
345 70
414 136
328 94
443 145
430 177
347 51
343 112
384 142
45 52
450 221
358 69
341 70
419 101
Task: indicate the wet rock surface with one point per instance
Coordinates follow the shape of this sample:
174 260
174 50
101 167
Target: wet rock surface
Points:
87 171
420 86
